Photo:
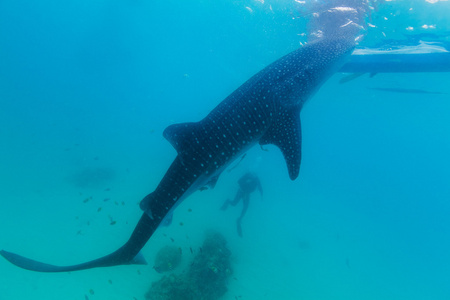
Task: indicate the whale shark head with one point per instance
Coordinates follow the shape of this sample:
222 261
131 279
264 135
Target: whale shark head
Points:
334 30
306 69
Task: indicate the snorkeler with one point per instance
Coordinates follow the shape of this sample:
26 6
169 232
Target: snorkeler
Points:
248 183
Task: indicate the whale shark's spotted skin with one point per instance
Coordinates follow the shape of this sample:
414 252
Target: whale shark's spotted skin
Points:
265 110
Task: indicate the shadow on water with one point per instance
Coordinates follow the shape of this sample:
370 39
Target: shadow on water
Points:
90 177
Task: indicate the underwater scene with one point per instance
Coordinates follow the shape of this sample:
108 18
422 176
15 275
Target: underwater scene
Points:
141 158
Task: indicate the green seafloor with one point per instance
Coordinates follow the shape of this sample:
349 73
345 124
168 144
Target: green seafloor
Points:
87 88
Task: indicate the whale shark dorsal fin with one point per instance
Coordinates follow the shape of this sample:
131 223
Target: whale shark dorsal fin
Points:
286 134
181 135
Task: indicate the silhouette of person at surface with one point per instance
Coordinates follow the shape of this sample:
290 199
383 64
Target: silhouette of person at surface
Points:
248 183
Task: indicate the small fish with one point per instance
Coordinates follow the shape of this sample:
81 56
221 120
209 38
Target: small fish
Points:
106 199
181 223
113 223
189 210
107 189
79 232
139 272
201 250
86 297
91 291
87 199
109 281
99 209
116 203
190 248
172 239
123 203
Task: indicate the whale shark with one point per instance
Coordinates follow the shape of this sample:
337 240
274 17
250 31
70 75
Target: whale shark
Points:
264 110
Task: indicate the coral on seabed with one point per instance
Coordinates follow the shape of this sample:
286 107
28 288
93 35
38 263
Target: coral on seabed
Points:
167 259
205 279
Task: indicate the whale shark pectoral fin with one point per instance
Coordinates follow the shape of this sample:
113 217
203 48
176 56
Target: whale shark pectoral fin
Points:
212 181
181 135
287 136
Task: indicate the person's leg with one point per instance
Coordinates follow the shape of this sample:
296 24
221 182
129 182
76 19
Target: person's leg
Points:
245 202
236 200
239 227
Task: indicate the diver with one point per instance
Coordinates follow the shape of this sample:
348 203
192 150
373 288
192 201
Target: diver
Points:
248 183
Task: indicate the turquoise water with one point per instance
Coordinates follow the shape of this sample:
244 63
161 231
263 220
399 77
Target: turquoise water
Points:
86 89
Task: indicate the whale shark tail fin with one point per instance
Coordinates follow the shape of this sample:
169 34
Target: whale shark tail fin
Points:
33 265
126 255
